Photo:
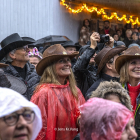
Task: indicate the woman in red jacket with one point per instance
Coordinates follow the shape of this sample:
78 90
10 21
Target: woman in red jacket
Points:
57 95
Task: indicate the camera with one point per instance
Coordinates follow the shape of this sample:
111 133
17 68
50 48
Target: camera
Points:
104 38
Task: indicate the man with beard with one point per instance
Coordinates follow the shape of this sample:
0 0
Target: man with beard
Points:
107 29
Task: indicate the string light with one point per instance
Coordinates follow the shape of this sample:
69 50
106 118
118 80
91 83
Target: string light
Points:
102 12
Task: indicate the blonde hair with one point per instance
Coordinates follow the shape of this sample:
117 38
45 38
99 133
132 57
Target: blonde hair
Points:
128 30
124 75
49 76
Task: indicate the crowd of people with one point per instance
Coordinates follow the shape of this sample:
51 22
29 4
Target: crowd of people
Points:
67 91
127 34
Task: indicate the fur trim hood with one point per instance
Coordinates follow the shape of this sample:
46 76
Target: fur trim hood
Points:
114 87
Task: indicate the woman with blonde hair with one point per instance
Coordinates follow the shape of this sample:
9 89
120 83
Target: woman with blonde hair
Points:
128 66
57 95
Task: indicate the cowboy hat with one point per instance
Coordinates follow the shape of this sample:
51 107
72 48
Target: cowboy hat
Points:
129 54
52 54
29 39
12 42
106 54
9 81
3 65
71 44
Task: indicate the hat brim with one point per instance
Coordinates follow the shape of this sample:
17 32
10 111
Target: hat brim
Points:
110 54
3 65
76 46
16 84
120 61
49 60
14 45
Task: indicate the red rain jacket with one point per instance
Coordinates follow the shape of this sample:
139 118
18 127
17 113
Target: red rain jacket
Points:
59 109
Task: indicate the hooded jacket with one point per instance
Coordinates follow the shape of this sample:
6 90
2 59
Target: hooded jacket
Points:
11 101
31 79
112 87
59 109
103 119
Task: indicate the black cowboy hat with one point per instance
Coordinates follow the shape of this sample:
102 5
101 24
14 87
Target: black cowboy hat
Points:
12 42
29 39
71 44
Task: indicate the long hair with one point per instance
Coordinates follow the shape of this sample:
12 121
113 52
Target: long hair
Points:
84 22
124 75
49 76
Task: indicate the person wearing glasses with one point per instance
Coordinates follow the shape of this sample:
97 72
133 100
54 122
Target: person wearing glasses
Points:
19 118
16 50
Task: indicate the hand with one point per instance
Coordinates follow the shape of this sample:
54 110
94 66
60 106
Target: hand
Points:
111 41
93 39
78 121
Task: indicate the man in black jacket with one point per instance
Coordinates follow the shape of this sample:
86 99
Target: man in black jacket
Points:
84 69
16 51
106 66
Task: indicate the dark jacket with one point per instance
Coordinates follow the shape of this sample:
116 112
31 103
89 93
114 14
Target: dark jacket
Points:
127 42
111 32
31 79
77 137
103 77
85 74
137 114
137 119
135 41
73 61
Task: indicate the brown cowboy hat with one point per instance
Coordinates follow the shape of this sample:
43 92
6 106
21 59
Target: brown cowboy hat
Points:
129 54
3 65
52 54
106 54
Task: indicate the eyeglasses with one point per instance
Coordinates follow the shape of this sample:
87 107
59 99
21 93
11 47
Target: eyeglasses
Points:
13 118
25 48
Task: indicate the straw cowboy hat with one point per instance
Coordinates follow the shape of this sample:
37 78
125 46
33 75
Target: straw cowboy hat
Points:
12 42
3 65
106 54
52 54
129 54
